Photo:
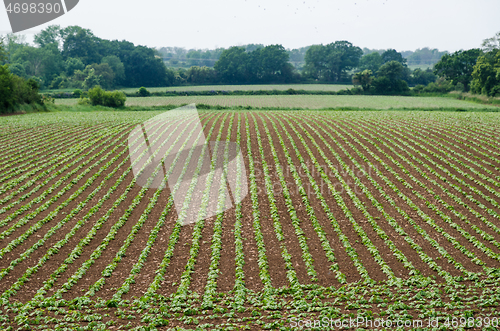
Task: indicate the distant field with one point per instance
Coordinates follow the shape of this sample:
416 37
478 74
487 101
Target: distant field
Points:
304 101
307 87
420 66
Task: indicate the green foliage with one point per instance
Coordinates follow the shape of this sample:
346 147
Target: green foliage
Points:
385 85
117 66
51 35
259 65
3 53
270 64
458 67
11 43
59 82
77 93
74 48
363 78
393 70
26 91
393 55
46 63
143 92
99 97
372 61
423 77
6 89
389 80
18 69
331 62
200 75
231 66
440 86
84 101
92 79
81 43
105 74
142 68
15 90
72 65
486 74
493 43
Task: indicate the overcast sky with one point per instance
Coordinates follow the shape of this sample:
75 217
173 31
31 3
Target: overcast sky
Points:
401 24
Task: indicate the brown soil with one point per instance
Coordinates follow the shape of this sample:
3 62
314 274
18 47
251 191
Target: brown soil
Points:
276 264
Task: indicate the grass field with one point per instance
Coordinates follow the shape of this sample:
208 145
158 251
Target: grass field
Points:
367 215
305 102
267 87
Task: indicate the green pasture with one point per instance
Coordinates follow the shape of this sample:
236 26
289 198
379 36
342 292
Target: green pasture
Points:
305 102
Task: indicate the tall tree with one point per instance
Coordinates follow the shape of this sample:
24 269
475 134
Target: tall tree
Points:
372 61
393 55
486 74
45 63
232 65
363 78
73 65
6 88
117 66
81 43
316 65
390 79
142 68
331 62
3 52
274 61
422 77
51 35
492 43
13 42
458 67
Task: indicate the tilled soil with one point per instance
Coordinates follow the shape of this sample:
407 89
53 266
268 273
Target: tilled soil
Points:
357 209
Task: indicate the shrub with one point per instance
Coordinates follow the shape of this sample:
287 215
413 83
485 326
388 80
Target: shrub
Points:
143 92
98 96
459 87
15 91
77 93
114 99
84 101
26 91
357 90
419 88
441 86
385 85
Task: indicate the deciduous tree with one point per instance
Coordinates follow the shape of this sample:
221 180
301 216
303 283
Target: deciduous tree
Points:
458 67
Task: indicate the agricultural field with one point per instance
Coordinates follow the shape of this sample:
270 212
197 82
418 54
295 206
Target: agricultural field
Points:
371 216
305 102
267 87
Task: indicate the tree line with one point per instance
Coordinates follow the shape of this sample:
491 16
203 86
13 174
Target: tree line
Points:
74 57
15 90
